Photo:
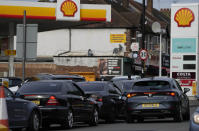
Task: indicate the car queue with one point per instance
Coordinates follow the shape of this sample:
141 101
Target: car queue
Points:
66 102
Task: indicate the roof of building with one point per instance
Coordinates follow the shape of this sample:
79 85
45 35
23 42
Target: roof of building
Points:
128 17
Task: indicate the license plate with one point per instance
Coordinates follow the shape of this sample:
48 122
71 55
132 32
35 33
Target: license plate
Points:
36 102
150 105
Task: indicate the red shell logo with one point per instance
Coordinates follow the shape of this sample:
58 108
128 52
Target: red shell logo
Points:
184 17
68 8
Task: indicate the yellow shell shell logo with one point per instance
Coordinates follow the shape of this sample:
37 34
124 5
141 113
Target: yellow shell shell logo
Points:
68 8
184 17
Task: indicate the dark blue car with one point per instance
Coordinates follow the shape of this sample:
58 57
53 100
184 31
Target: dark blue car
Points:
22 113
194 122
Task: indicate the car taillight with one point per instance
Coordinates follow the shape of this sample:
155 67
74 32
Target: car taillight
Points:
52 101
171 93
131 95
99 99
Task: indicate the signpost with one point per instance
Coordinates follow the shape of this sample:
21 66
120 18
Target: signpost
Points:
143 54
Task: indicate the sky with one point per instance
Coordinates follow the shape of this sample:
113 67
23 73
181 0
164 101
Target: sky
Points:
158 4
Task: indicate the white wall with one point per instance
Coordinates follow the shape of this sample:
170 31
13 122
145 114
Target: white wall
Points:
51 43
98 40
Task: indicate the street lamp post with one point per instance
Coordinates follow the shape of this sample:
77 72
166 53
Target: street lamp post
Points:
143 34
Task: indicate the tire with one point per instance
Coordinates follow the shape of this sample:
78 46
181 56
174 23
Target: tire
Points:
178 117
68 122
34 122
94 118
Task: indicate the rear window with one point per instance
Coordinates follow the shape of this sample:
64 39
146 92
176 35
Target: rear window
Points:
41 87
91 86
15 82
151 85
125 85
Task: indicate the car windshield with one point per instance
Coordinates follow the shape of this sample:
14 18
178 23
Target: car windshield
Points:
125 85
151 85
40 87
91 86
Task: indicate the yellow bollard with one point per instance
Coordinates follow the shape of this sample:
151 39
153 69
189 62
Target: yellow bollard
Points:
3 128
194 88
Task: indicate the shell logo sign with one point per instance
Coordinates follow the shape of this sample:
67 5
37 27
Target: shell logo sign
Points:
184 17
69 8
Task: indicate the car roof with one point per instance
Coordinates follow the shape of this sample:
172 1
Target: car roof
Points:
60 75
126 77
11 78
156 79
46 81
125 81
95 82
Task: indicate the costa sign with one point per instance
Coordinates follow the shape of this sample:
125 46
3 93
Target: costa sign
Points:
184 75
184 17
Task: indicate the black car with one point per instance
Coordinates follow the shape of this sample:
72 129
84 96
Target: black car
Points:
22 113
72 77
125 85
157 97
113 103
61 102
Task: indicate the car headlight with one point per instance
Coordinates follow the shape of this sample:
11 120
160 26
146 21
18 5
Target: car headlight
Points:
196 118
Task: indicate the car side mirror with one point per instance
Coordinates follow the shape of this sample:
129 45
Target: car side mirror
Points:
186 90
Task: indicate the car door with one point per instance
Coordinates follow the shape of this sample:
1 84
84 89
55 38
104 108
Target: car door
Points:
78 102
87 104
16 109
115 94
183 96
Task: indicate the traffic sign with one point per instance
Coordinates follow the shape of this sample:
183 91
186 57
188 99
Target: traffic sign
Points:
10 52
143 54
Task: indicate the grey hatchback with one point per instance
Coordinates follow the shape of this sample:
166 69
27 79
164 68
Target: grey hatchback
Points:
157 97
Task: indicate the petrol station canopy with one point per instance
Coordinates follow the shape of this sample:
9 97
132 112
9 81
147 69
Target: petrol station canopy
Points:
44 14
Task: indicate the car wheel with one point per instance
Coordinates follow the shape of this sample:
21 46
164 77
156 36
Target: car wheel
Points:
186 116
178 115
68 122
94 118
34 122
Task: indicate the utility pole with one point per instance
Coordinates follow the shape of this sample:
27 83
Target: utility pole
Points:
143 35
24 48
